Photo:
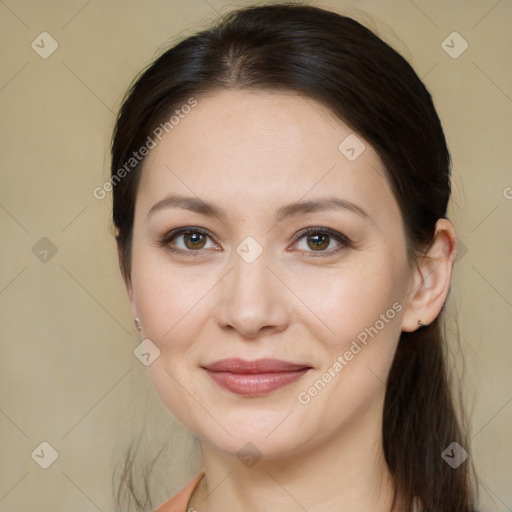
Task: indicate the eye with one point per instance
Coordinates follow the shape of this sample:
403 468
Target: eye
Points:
311 240
320 240
189 239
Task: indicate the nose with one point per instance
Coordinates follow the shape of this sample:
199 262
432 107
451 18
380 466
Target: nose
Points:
252 299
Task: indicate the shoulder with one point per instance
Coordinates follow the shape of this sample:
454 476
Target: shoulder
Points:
179 502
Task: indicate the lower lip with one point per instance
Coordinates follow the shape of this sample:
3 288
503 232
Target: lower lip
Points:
254 384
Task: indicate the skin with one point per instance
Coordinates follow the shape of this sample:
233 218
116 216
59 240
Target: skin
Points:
250 153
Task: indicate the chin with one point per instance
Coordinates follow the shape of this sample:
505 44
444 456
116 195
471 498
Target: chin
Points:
263 434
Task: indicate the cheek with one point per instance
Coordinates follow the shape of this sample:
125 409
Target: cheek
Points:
165 296
168 308
346 300
360 310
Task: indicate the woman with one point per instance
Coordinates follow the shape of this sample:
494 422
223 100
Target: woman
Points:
280 189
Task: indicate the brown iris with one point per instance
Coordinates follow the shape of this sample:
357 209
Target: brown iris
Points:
197 240
320 241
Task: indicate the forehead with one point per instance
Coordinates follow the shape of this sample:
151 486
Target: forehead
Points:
252 149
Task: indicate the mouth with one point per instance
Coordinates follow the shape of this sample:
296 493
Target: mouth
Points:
255 378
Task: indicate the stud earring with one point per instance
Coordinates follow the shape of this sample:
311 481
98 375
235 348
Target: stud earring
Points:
137 323
420 323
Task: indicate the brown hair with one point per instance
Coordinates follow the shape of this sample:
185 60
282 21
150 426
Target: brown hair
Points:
338 62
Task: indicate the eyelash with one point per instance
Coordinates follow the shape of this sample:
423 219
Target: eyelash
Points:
339 237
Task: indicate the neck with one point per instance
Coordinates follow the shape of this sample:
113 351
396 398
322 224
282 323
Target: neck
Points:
345 473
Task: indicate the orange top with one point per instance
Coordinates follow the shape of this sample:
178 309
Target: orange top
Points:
179 502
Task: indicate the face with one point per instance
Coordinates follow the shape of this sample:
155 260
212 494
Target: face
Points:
286 249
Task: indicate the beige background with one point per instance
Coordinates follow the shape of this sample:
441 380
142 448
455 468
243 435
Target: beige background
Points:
68 374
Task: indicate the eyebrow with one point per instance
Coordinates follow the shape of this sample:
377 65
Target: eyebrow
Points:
290 210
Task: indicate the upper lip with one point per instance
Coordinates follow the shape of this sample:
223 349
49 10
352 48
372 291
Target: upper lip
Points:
236 365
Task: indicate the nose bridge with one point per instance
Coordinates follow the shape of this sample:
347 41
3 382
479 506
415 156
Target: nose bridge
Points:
252 298
250 278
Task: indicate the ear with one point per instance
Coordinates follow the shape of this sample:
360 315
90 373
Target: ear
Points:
431 279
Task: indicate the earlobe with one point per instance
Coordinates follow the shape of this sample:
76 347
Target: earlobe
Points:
432 277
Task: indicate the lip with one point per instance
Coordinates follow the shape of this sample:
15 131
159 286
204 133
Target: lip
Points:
254 378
